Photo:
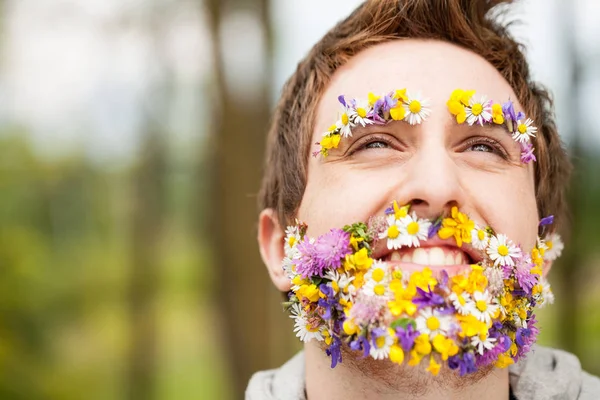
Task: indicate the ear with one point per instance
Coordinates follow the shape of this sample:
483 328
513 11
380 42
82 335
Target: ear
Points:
270 241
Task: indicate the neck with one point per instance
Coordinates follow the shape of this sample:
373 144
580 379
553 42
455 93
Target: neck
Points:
360 378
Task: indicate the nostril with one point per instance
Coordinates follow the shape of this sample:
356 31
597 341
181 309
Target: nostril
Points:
415 202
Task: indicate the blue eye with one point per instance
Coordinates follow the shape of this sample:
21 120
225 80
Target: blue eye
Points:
482 147
376 144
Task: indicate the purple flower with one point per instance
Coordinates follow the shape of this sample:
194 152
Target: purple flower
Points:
307 263
520 116
491 355
466 365
331 248
328 303
527 153
526 337
549 220
525 278
509 111
434 228
407 336
335 351
427 298
389 210
342 100
361 343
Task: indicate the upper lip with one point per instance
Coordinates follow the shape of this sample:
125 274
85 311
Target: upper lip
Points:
380 250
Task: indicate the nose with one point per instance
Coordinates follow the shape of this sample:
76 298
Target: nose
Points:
432 185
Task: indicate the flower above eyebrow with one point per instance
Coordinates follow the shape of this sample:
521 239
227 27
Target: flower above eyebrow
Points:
466 109
396 105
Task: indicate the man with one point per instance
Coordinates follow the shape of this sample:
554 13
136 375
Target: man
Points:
432 160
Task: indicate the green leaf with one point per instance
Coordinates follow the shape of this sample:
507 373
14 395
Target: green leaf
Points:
403 322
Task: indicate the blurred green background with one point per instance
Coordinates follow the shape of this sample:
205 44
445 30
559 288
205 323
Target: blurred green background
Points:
131 141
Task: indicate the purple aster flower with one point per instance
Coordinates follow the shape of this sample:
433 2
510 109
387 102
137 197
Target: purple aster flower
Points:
527 153
508 110
549 220
329 303
491 356
443 280
342 100
526 337
434 228
334 351
331 248
407 336
520 116
307 265
427 298
466 365
361 343
525 278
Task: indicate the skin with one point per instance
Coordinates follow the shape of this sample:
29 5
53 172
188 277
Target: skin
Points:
434 166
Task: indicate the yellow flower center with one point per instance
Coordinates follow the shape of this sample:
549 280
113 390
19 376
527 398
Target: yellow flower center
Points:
380 342
312 328
345 119
433 323
461 300
522 128
393 232
480 234
481 305
378 274
503 250
361 112
414 106
483 336
379 290
413 228
549 244
291 240
476 109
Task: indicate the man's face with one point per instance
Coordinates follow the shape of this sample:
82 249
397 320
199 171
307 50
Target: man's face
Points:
434 165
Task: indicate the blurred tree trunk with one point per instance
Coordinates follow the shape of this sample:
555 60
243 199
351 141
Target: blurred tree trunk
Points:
253 319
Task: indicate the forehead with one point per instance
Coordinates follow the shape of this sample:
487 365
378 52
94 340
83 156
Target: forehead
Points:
433 68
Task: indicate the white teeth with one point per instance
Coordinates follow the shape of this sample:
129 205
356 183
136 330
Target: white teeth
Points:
420 257
396 256
460 259
449 259
406 258
436 256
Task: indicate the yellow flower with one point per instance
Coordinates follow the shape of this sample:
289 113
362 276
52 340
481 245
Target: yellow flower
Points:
400 95
358 261
400 212
396 354
373 99
459 226
402 298
330 141
423 279
445 346
310 292
350 327
497 114
415 358
398 112
477 281
471 326
504 361
327 337
354 241
422 345
459 99
434 367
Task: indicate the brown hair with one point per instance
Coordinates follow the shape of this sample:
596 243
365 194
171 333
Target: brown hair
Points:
471 24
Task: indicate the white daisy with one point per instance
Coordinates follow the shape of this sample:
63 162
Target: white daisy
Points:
306 328
541 245
417 109
524 131
340 282
502 251
344 124
479 239
430 321
482 341
462 303
292 237
555 247
547 295
360 112
376 280
484 306
414 230
479 111
393 233
380 347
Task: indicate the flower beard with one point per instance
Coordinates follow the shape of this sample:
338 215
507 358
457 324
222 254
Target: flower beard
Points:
472 312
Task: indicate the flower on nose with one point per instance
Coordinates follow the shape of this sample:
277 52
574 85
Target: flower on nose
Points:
458 225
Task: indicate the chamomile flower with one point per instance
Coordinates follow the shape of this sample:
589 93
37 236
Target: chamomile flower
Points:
502 251
547 295
555 247
479 239
482 341
360 112
416 109
381 343
305 328
340 282
431 322
376 280
479 111
462 302
344 124
524 131
393 233
484 306
415 229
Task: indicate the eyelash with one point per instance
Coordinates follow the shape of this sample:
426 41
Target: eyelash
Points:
496 148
